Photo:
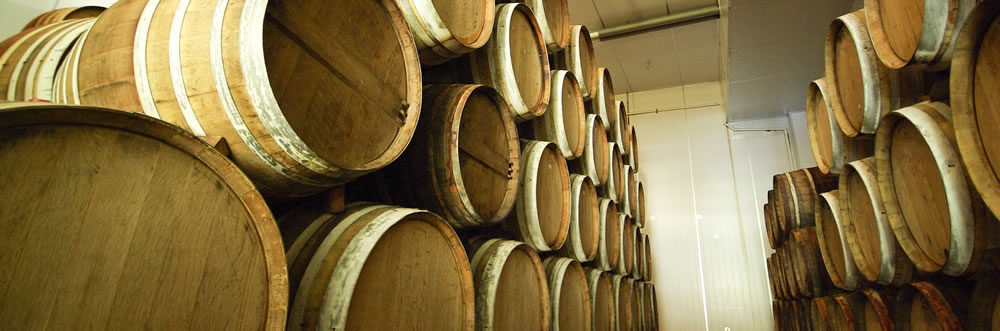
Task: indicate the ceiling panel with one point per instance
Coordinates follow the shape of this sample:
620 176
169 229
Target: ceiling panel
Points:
583 12
682 5
769 59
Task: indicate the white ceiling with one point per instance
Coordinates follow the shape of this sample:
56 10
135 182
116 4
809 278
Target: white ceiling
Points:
774 48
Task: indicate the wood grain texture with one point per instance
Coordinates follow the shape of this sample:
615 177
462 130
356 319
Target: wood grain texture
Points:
63 14
609 242
29 60
568 293
146 225
579 58
542 212
623 303
931 306
464 162
443 30
602 300
832 238
626 253
564 122
279 88
879 308
916 33
592 163
511 288
346 270
584 227
614 189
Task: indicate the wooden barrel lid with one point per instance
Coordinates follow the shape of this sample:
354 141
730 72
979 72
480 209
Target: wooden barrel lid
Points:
614 189
879 308
609 244
830 233
623 302
580 59
553 20
568 293
626 253
931 306
565 122
584 227
443 30
857 81
511 288
916 33
602 300
147 225
542 211
62 14
593 163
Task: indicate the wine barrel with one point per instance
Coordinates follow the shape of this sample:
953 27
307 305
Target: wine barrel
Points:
543 198
614 189
916 33
647 259
511 288
285 95
797 193
138 223
939 220
776 293
609 242
626 240
64 14
639 201
788 272
930 306
579 58
603 102
602 300
868 231
975 122
825 137
984 310
623 303
568 293
64 85
819 314
778 313
29 60
621 128
831 235
631 196
564 123
464 162
803 308
636 303
633 153
848 312
584 222
593 163
861 88
879 307
444 30
771 226
553 21
637 251
810 271
655 307
339 265
645 305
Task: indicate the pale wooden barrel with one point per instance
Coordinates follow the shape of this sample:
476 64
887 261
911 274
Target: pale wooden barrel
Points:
861 88
797 193
848 312
602 103
647 259
810 271
636 302
584 222
637 251
916 33
602 301
931 306
580 59
64 85
29 60
824 132
984 308
867 228
464 163
339 265
542 211
564 123
939 220
621 128
819 313
64 14
553 21
609 242
631 197
515 62
639 201
771 221
626 240
633 153
286 96
444 30
623 303
879 305
833 245
511 288
569 294
593 163
973 75
614 188
138 223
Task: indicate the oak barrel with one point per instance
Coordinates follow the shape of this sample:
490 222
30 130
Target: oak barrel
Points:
123 221
614 188
825 137
623 302
339 265
569 294
819 313
621 127
797 192
639 201
633 153
848 312
593 163
931 306
879 307
833 245
29 60
602 103
810 271
984 308
867 228
973 75
602 300
542 212
631 196
64 14
916 33
464 160
302 109
647 259
626 240
637 251
579 58
860 88
511 289
553 21
564 123
584 222
938 218
609 241
444 30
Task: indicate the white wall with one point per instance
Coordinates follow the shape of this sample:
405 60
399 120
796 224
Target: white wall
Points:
705 187
17 13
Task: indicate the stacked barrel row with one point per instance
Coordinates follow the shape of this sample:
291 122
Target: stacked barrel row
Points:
461 164
902 118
